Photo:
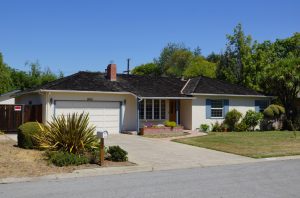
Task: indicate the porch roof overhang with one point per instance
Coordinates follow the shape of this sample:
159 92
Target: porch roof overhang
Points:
171 98
231 95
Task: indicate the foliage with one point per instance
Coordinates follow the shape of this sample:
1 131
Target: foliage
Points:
26 133
149 69
274 111
5 80
60 158
213 58
177 60
251 119
71 133
283 80
241 127
235 64
204 127
168 123
117 154
218 127
12 79
199 66
232 118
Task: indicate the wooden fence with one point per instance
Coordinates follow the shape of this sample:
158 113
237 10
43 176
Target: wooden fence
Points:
12 116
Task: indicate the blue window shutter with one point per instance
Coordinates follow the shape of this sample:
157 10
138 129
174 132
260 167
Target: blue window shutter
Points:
226 107
257 102
208 108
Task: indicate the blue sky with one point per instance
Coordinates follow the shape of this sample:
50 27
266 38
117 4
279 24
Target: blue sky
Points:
72 35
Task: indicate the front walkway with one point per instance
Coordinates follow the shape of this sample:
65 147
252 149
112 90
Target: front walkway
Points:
164 155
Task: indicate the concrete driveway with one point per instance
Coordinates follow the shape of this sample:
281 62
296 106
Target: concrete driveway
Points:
164 155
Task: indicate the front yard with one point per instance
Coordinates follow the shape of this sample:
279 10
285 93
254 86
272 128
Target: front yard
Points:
251 144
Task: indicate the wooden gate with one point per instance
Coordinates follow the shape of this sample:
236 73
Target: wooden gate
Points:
12 116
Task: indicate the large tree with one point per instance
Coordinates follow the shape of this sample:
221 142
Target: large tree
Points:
5 80
236 62
283 80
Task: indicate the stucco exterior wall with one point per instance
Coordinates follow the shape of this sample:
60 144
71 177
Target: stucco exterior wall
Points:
128 105
242 104
7 100
186 114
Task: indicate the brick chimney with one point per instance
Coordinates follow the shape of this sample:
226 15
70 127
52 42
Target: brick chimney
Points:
111 72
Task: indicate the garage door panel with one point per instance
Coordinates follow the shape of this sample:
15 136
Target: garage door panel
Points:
105 115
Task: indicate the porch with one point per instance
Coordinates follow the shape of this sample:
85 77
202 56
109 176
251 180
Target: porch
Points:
154 111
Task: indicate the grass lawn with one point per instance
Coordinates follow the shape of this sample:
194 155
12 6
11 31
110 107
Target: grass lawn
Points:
251 144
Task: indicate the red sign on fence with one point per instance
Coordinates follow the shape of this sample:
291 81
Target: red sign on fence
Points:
18 108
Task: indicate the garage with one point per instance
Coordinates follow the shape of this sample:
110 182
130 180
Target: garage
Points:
103 115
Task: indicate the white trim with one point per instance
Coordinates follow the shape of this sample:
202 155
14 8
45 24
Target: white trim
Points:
184 86
165 98
232 95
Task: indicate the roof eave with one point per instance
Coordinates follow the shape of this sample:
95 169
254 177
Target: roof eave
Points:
231 95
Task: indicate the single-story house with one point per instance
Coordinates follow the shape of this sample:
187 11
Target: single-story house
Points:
7 98
124 102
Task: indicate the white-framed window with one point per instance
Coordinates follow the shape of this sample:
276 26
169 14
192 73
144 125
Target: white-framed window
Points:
261 105
217 108
150 109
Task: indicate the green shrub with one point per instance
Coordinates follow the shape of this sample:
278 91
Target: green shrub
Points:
170 123
26 133
252 119
242 126
232 118
71 133
216 127
274 111
117 154
204 127
60 158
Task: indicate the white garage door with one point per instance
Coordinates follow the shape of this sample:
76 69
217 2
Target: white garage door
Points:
104 115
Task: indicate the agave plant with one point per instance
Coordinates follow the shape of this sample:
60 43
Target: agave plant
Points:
71 133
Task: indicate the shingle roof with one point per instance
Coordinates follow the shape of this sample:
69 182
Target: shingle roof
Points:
144 86
205 85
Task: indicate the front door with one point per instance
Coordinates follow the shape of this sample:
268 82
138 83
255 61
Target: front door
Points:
172 110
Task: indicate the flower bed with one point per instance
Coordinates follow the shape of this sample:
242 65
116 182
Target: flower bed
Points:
163 129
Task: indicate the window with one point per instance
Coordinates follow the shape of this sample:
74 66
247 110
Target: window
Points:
162 109
260 105
141 110
217 108
148 109
156 109
152 109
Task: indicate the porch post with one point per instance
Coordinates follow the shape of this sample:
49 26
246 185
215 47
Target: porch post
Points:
177 111
137 115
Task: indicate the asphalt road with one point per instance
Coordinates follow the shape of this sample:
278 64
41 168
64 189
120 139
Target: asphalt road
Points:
263 179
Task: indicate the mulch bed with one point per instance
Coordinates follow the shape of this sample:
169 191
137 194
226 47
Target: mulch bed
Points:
18 162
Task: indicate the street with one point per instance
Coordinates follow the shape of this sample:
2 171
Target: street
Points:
263 179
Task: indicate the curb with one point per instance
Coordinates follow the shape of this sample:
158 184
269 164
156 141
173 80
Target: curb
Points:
79 174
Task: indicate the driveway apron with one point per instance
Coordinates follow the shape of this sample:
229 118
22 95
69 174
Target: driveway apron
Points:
165 155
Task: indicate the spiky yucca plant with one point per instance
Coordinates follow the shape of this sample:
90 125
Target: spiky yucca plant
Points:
71 133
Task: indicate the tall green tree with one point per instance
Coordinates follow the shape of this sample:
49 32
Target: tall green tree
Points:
236 62
283 80
5 74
